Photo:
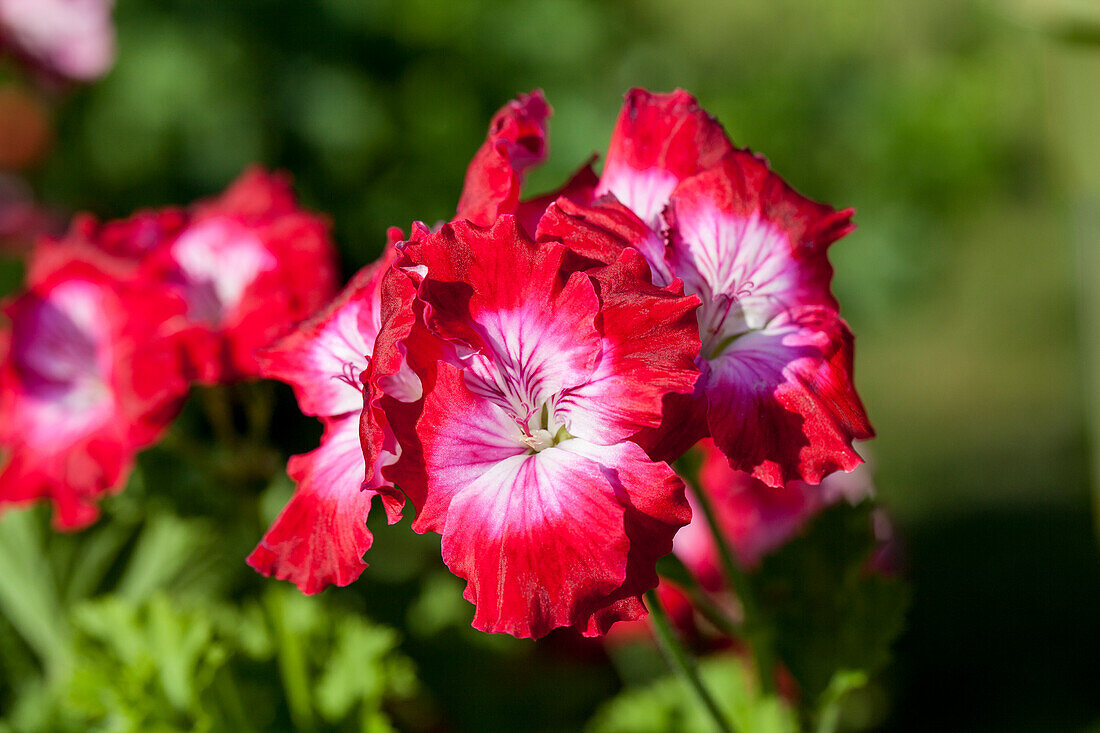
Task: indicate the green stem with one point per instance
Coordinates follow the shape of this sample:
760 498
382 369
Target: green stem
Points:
711 612
681 662
755 629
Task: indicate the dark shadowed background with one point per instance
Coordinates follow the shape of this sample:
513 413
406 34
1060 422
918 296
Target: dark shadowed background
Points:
966 135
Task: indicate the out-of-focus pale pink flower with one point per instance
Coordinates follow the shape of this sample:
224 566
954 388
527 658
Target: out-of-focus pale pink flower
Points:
72 39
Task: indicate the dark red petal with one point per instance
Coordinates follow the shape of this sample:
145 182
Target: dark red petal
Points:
781 403
659 140
516 141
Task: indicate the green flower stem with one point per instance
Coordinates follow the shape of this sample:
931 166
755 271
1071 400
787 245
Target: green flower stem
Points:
709 610
682 662
756 630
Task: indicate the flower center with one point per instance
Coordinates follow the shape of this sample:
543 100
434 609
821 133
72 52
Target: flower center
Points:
218 260
540 431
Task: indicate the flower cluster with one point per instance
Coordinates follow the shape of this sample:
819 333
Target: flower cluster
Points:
118 318
536 362
522 375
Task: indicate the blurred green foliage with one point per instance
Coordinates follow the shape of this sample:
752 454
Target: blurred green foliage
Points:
662 707
944 122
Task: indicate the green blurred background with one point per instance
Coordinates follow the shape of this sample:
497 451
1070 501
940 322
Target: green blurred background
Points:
966 135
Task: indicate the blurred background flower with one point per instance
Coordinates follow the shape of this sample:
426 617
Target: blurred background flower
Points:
962 131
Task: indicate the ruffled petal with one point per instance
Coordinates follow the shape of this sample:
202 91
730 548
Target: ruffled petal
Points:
781 403
321 535
655 509
323 358
600 231
649 344
516 141
749 245
527 330
659 140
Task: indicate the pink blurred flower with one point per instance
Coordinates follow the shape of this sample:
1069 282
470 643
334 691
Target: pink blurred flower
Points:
71 39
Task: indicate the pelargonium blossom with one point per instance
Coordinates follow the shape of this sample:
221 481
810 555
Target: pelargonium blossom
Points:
535 378
776 389
70 39
754 518
321 535
249 264
90 372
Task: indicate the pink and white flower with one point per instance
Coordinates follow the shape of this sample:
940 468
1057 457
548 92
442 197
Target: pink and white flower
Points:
91 373
535 378
321 535
755 518
776 389
249 264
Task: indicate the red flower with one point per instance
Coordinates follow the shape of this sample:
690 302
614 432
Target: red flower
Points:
249 264
754 517
535 379
90 375
776 389
321 536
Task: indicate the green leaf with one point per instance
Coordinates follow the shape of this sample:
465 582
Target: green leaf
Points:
831 613
28 591
664 707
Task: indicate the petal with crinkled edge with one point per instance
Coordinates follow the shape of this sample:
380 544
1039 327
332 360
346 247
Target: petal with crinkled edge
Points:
781 403
497 293
321 535
649 342
749 245
655 509
600 231
540 538
323 358
659 140
516 141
